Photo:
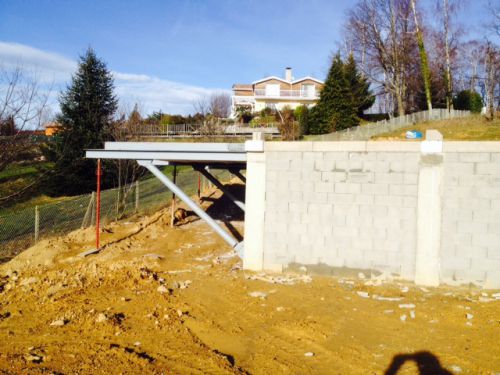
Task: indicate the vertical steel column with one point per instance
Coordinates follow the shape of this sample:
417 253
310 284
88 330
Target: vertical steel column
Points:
202 214
98 205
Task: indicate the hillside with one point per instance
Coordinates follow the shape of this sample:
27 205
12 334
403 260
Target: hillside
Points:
473 128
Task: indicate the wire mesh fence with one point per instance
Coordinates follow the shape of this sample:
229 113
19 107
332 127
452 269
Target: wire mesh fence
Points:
27 226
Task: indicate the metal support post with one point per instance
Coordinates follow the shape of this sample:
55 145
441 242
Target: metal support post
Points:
221 187
137 196
238 247
37 223
172 208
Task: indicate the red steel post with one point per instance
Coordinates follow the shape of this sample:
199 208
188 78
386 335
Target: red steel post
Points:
98 205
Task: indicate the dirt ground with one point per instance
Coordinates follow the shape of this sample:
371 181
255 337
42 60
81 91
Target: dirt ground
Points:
169 300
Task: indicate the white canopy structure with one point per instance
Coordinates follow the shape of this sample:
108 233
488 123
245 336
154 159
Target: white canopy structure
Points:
201 156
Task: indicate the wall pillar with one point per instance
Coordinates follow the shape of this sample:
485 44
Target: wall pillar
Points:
427 264
255 198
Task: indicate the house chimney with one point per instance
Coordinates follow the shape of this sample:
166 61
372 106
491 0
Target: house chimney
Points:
288 74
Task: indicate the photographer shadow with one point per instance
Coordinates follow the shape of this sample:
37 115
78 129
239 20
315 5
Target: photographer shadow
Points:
427 364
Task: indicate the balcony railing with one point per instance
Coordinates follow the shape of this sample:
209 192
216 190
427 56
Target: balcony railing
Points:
301 94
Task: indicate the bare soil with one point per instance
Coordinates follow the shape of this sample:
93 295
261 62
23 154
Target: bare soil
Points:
159 299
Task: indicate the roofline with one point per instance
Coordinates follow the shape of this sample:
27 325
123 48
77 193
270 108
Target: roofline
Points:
270 77
289 82
309 77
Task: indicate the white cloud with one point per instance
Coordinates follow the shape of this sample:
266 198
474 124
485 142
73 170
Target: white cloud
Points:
152 93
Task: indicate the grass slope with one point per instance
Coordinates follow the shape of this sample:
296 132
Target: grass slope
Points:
473 128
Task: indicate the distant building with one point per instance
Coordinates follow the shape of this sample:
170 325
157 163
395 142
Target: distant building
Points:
52 128
274 92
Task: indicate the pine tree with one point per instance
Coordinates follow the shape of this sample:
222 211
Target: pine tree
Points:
345 95
87 109
359 87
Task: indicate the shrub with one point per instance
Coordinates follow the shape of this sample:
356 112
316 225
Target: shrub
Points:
469 101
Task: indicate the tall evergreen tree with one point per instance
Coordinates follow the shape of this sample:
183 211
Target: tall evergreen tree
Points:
344 97
359 87
87 109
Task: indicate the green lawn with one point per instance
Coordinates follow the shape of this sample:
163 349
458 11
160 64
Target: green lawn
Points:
473 128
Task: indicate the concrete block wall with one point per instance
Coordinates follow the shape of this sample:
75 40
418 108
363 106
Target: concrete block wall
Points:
356 205
470 242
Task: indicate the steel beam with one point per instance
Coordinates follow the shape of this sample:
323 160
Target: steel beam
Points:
221 186
173 156
237 246
238 174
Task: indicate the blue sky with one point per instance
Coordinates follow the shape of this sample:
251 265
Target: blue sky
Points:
165 54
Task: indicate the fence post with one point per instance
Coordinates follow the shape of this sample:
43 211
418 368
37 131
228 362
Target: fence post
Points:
37 224
92 218
137 196
89 211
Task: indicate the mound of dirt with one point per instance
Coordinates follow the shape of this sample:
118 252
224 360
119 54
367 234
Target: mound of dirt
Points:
161 299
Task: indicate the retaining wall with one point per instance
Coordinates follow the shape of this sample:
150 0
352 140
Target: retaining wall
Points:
425 211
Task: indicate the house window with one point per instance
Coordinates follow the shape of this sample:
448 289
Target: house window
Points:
272 90
308 90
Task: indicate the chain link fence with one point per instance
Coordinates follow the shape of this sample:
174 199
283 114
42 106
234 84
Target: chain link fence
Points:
27 226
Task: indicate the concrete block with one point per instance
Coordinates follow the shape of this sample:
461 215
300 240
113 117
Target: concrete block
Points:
471 227
294 196
361 177
409 201
345 232
455 263
375 211
349 165
333 176
473 180
410 178
336 156
312 156
458 168
278 164
360 221
392 146
375 189
339 146
475 203
324 187
315 197
288 146
388 200
488 192
485 216
494 228
362 156
346 210
486 239
492 280
403 190
301 164
297 207
364 199
378 166
493 252
488 168
312 175
390 178
470 276
377 234
469 157
347 188
463 251
324 165
362 243
495 157
471 146
335 198
485 264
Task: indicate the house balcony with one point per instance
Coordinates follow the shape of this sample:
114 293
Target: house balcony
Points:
286 94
